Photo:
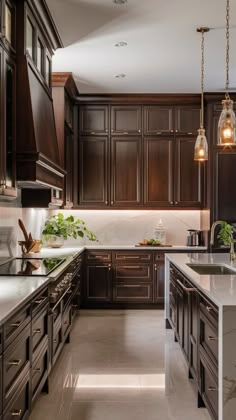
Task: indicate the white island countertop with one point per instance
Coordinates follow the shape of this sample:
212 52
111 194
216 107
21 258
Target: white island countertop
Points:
221 289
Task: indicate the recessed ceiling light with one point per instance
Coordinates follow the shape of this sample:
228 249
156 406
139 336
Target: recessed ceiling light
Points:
121 44
120 76
119 1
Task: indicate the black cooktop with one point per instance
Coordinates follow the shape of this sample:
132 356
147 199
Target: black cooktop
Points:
30 266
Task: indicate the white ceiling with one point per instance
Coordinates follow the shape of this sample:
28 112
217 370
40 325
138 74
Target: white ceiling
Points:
163 52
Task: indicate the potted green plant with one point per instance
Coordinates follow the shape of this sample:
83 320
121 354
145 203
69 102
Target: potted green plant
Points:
226 236
59 228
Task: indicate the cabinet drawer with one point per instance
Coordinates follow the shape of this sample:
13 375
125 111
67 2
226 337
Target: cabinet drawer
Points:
209 338
39 372
16 359
1 340
209 310
209 388
15 325
39 328
98 256
133 272
56 344
133 292
19 406
66 323
135 256
39 302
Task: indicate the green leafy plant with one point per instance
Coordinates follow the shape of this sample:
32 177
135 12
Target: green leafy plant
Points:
226 233
67 227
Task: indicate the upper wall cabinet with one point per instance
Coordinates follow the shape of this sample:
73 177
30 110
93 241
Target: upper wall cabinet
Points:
126 120
158 120
8 24
93 120
187 120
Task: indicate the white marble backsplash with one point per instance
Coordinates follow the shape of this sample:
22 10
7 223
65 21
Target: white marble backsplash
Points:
128 227
112 227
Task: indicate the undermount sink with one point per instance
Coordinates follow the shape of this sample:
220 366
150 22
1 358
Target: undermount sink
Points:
211 269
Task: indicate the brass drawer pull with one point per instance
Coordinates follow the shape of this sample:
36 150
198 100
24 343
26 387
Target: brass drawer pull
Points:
14 362
16 413
132 267
212 388
38 370
69 292
39 301
54 340
209 308
16 324
131 257
210 338
186 289
37 331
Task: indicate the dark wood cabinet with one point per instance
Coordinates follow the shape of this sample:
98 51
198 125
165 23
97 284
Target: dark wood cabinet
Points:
94 119
159 281
126 173
225 189
93 167
193 334
65 93
158 120
20 404
126 119
158 171
187 120
209 388
98 283
187 175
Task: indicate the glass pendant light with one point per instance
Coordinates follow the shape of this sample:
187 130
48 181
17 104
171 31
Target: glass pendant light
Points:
227 121
201 146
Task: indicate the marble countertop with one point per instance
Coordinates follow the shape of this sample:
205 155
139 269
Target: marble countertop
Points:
221 289
17 290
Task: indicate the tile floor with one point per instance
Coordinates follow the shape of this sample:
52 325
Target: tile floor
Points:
120 365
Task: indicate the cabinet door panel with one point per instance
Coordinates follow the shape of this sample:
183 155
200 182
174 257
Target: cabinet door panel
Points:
69 167
94 119
187 120
93 171
126 119
98 283
158 176
225 204
159 273
193 333
158 120
126 171
187 174
132 292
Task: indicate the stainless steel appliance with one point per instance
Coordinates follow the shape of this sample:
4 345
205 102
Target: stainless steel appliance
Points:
194 237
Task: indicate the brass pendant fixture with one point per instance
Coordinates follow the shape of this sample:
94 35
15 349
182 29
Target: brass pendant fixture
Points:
227 121
201 146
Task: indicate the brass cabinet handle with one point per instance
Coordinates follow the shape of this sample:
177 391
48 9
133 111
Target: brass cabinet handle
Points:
14 362
212 388
92 132
16 413
132 267
39 301
16 324
54 340
211 338
106 202
186 289
38 370
155 267
139 130
109 267
209 308
37 331
112 202
172 202
176 202
131 257
69 292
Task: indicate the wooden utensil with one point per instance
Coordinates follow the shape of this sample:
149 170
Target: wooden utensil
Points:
22 226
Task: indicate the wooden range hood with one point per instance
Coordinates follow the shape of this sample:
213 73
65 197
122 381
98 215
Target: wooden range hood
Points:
37 154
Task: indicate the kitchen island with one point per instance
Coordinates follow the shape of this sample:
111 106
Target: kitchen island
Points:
201 309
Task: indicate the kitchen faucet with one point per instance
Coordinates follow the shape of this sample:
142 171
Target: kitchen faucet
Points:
212 235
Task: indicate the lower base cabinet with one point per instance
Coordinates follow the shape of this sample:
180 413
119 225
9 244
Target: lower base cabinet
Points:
194 320
132 293
20 404
40 370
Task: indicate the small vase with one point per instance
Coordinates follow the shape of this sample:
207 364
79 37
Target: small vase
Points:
54 241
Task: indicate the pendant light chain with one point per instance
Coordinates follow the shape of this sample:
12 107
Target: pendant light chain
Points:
227 51
202 81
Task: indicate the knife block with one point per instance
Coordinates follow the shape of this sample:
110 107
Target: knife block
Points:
30 247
